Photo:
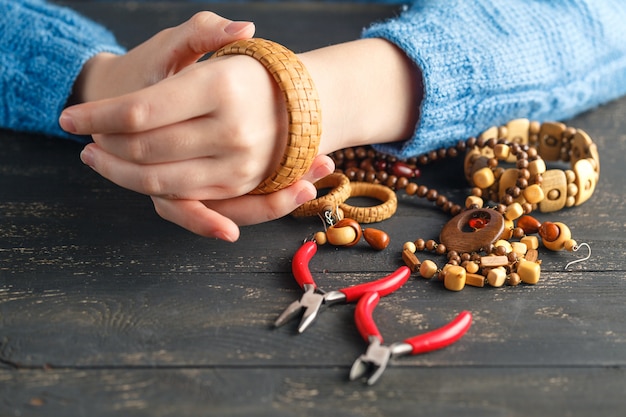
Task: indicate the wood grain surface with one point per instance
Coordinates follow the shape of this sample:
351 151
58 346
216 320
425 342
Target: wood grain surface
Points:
106 309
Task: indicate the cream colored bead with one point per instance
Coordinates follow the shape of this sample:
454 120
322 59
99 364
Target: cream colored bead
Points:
428 269
519 248
531 242
570 245
454 278
533 194
497 277
528 271
472 200
320 238
538 166
483 178
513 211
341 236
410 246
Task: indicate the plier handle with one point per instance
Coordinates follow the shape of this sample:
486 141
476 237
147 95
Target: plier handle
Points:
377 356
313 298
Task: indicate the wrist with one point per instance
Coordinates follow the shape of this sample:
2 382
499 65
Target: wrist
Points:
89 84
369 91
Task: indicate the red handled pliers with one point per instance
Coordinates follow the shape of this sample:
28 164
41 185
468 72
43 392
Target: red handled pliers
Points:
377 355
313 298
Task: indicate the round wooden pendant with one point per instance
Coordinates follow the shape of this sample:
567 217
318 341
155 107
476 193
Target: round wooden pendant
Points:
472 230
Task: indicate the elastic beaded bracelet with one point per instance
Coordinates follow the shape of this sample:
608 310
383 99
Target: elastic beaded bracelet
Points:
303 108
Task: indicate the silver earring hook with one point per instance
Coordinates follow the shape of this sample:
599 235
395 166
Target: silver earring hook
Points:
575 249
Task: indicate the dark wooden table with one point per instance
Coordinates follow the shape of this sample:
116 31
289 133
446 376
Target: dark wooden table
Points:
105 309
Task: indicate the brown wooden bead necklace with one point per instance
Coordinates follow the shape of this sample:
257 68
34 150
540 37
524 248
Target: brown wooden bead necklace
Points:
477 240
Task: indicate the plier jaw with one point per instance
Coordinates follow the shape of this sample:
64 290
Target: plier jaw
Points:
311 302
373 362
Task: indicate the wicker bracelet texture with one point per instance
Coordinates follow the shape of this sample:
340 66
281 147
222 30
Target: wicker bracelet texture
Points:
303 108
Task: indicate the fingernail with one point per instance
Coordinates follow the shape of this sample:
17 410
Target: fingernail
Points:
67 123
87 157
234 28
305 195
223 236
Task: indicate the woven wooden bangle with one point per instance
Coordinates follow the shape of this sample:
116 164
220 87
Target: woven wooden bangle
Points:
371 214
340 192
303 108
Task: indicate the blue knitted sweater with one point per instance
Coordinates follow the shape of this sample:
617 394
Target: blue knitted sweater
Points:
483 62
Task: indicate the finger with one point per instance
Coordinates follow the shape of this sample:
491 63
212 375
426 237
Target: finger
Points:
254 209
204 32
169 101
192 179
197 218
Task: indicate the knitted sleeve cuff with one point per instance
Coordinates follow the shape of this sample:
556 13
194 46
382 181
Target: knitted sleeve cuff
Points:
42 50
488 61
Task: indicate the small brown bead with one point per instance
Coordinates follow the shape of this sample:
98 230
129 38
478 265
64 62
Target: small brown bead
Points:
402 183
430 244
514 279
420 244
411 188
441 200
440 249
432 195
349 153
518 233
512 257
422 190
452 254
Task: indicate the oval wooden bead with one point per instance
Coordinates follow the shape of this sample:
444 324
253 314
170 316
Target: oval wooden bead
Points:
376 238
320 238
529 272
549 232
410 260
428 269
454 278
529 224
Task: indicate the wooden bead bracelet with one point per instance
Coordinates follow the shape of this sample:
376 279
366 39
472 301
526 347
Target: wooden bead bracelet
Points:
303 108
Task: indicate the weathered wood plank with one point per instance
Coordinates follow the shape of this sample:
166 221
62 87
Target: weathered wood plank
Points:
427 391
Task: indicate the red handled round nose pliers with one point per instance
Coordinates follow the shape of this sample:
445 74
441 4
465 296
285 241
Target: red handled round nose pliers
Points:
313 298
377 355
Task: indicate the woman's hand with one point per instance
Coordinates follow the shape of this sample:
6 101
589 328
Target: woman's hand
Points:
204 136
